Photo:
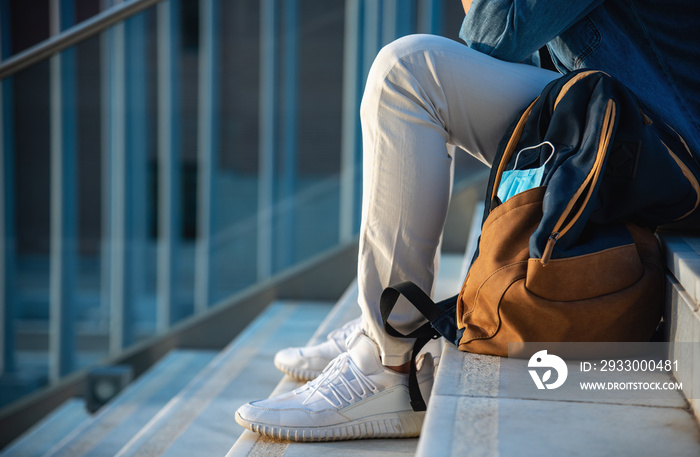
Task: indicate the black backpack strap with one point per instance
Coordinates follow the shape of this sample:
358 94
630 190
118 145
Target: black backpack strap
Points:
422 334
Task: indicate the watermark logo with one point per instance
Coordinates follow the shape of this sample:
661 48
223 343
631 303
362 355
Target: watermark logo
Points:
543 360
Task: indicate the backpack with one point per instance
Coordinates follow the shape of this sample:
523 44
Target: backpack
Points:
567 252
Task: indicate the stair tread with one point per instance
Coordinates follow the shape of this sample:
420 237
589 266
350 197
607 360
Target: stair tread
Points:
118 421
70 416
199 420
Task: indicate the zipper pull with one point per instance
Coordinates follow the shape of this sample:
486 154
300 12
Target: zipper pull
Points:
547 254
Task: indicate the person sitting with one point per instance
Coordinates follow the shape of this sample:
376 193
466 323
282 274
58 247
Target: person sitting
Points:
425 93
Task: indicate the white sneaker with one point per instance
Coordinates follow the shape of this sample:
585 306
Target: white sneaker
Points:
355 397
306 363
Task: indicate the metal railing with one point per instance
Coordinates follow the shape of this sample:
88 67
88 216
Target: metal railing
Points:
64 39
137 81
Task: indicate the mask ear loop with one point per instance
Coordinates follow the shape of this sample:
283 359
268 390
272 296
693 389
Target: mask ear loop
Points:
515 166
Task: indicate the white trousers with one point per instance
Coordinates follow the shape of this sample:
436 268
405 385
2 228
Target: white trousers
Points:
424 93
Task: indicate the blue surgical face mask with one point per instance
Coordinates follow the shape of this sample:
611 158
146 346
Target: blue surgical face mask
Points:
515 181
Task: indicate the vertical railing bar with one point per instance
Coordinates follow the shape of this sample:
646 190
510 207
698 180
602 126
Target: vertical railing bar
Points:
267 126
208 145
406 18
7 204
439 21
56 196
390 20
350 136
63 204
7 238
106 40
137 158
430 16
425 16
169 216
371 34
118 282
289 144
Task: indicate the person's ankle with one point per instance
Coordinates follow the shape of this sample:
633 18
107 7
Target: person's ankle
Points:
403 369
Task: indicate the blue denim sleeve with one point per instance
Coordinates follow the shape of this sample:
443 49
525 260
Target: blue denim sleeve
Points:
514 29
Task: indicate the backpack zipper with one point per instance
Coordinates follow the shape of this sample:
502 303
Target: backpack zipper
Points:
585 191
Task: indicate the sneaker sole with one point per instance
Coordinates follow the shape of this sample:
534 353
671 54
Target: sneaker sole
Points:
297 374
395 425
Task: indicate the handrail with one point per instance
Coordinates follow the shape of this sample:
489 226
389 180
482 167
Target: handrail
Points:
73 35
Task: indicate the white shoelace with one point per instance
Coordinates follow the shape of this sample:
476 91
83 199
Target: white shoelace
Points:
333 379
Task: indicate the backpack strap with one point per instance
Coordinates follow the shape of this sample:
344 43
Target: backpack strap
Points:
438 317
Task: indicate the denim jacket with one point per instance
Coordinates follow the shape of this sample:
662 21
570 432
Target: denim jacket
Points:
652 46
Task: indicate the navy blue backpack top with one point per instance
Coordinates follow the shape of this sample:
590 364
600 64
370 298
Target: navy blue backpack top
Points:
610 162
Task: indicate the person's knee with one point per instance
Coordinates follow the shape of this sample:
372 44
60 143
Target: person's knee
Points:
391 56
399 48
396 51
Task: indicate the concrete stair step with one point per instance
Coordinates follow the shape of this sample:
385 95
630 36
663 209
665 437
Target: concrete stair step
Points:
199 419
471 414
37 441
117 422
682 313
